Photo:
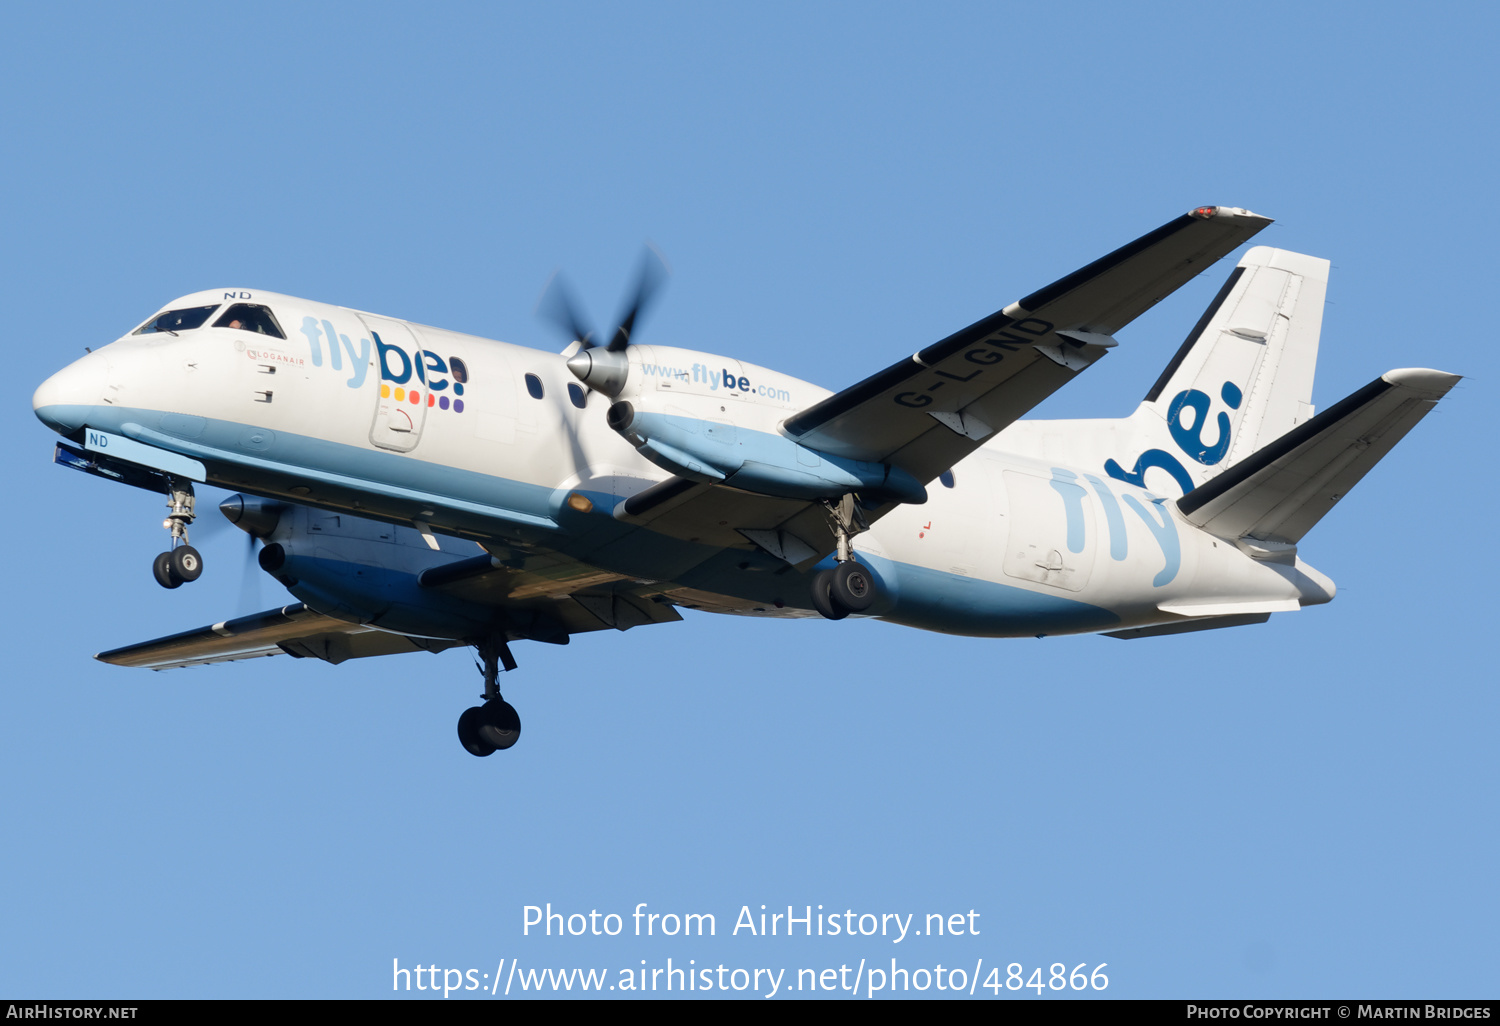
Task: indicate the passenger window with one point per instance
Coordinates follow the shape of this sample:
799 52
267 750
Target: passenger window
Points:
947 478
575 393
251 317
534 386
174 321
458 370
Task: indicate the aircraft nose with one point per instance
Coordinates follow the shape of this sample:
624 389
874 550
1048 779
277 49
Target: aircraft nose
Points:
64 400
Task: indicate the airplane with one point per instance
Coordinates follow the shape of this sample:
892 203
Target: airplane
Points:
417 489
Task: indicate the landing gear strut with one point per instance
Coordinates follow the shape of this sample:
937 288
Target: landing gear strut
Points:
181 563
493 726
846 587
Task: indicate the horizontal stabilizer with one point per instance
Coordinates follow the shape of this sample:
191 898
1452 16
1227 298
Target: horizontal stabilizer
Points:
294 630
1279 492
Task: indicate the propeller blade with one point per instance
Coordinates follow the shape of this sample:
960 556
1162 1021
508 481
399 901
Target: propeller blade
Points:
250 573
654 271
205 526
558 306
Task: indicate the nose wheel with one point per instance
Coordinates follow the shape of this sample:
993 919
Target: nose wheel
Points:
495 725
175 568
181 563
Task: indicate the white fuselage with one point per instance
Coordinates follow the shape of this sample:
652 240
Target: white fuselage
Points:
481 439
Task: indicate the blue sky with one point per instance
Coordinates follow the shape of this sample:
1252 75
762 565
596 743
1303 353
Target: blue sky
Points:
1300 809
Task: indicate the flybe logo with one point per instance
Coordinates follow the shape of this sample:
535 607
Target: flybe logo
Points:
1188 436
415 379
1153 514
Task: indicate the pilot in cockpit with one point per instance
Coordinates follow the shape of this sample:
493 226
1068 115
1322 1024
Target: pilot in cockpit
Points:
251 317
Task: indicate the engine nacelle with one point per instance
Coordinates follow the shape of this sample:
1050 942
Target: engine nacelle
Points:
716 420
366 572
712 450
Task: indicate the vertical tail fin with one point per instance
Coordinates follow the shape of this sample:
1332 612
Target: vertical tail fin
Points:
1242 378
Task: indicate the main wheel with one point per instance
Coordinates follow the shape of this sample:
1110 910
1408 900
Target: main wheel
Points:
468 733
499 725
851 587
162 570
822 598
186 562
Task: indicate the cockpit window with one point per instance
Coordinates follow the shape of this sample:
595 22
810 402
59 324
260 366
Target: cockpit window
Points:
177 320
251 317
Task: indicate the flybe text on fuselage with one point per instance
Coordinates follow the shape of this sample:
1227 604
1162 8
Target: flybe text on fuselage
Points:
398 368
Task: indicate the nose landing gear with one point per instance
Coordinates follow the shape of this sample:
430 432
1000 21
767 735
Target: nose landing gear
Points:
181 563
495 725
175 568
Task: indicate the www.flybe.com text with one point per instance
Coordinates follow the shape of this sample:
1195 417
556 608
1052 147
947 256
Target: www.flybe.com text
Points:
715 379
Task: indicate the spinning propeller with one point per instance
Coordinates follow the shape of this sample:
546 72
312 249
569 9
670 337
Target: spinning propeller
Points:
604 368
257 518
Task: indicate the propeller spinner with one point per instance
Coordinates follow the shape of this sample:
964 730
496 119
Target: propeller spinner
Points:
604 369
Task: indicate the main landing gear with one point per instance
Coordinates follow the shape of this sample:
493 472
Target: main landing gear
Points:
846 587
843 589
181 563
493 726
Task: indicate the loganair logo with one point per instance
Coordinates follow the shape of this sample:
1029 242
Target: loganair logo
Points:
1189 438
408 378
271 356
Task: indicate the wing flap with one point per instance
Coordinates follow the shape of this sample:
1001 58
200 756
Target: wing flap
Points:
1278 493
997 369
729 518
547 597
294 630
